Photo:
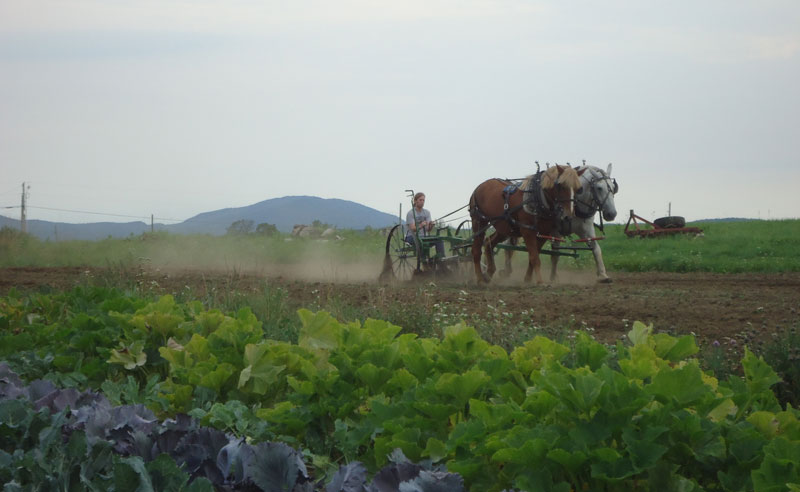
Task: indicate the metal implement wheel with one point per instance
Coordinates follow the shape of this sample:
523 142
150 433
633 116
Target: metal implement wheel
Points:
466 227
403 258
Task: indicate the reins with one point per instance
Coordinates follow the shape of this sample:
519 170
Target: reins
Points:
451 213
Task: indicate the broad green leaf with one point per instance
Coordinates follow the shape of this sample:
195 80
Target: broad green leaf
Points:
284 413
216 375
534 354
199 348
674 349
765 422
259 373
781 466
319 330
166 475
578 388
571 461
402 380
613 471
758 374
605 454
437 412
532 451
497 368
640 333
176 356
305 388
495 415
407 440
642 364
589 352
380 331
683 385
461 386
642 446
374 377
435 450
726 408
419 356
129 356
784 423
460 349
130 474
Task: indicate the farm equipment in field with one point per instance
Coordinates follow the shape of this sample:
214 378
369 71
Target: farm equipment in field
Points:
409 255
664 226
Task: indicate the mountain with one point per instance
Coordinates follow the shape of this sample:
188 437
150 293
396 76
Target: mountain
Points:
283 212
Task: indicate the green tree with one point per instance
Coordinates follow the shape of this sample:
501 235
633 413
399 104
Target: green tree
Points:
265 229
241 226
320 225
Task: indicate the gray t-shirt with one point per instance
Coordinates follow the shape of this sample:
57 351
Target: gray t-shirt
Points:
421 216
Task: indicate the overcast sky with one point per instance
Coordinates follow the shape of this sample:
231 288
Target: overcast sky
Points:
174 108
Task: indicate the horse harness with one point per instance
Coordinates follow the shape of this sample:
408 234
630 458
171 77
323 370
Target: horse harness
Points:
595 204
534 202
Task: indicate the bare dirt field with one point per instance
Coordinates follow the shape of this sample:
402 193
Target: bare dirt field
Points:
712 306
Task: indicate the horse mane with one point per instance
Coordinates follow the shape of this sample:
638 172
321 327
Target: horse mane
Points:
564 175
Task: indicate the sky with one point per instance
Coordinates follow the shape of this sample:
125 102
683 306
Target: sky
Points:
117 111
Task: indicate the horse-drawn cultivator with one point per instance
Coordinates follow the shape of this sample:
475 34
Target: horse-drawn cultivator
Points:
410 254
406 259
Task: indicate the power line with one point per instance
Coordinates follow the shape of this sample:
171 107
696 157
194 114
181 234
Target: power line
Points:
101 213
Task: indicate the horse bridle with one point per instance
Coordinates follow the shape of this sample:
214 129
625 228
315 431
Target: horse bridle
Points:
595 204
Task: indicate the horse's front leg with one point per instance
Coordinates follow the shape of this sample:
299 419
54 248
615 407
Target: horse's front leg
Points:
554 262
489 247
585 231
534 245
602 276
477 249
506 272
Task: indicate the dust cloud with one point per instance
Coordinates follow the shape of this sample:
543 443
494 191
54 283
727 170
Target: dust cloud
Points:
304 261
313 265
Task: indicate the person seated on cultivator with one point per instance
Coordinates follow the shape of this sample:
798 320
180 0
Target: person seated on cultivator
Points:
419 220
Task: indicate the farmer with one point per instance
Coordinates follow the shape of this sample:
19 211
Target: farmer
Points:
419 220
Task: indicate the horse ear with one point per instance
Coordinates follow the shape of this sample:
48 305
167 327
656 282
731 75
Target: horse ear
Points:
608 171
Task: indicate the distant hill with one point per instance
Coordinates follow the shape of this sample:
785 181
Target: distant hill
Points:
726 219
284 213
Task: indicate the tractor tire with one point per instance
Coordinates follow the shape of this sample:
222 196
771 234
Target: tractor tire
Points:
672 222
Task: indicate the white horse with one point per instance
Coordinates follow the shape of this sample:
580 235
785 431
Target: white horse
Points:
596 195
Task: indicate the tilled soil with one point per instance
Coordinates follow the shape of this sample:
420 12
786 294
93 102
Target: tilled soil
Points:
711 306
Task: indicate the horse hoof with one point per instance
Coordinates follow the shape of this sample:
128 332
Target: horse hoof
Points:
605 280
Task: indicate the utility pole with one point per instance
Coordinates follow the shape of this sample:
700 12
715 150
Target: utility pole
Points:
22 222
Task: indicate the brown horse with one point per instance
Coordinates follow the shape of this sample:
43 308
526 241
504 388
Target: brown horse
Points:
531 211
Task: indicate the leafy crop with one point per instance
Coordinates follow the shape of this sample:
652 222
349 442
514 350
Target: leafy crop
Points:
65 440
642 415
